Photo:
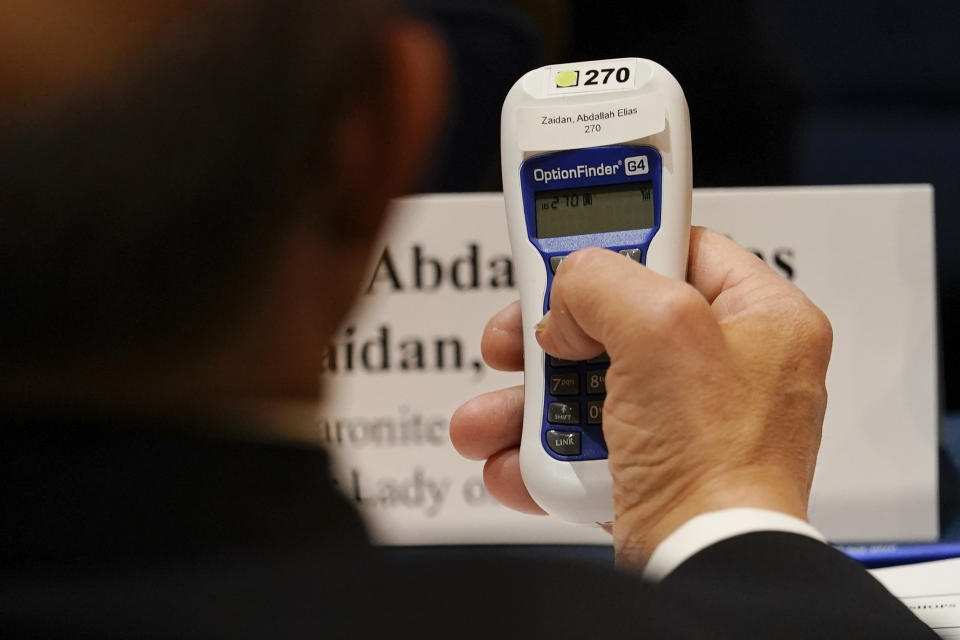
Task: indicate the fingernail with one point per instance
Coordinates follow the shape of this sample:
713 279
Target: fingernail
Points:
541 326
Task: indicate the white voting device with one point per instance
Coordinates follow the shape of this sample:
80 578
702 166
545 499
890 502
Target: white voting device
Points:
594 154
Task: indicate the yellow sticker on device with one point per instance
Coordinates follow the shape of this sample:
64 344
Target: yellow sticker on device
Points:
568 78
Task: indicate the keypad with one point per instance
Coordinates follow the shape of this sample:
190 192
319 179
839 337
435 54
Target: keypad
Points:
575 392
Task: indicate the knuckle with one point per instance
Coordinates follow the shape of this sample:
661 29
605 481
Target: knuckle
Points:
815 326
820 330
812 330
578 262
681 303
676 311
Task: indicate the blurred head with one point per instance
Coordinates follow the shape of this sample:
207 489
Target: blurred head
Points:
186 201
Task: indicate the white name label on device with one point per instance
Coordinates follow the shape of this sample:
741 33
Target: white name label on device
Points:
553 128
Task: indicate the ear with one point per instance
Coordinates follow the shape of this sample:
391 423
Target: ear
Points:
383 142
417 81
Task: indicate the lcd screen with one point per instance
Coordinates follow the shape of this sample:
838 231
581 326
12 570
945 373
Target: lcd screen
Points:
587 210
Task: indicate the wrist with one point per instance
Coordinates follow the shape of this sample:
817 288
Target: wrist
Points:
639 529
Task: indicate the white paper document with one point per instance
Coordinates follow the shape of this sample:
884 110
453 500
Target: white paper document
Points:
930 589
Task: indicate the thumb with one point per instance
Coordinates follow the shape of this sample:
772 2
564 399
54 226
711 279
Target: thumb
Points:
601 299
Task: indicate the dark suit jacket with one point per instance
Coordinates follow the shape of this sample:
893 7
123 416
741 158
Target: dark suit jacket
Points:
123 529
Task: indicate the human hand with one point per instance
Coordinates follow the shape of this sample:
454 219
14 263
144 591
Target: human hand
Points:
715 391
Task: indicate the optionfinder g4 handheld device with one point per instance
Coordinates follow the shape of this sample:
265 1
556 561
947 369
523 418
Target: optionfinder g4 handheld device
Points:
594 154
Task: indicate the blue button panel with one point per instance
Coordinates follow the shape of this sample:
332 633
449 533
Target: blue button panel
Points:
581 412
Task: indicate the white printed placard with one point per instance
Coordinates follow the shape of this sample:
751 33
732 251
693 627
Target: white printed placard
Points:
410 355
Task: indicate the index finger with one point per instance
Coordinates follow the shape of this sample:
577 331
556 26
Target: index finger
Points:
717 265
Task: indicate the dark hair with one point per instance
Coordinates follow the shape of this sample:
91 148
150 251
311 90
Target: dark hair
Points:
130 219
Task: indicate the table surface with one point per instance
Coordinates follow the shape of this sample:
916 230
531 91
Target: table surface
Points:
950 477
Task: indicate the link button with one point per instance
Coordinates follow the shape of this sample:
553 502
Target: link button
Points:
564 443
